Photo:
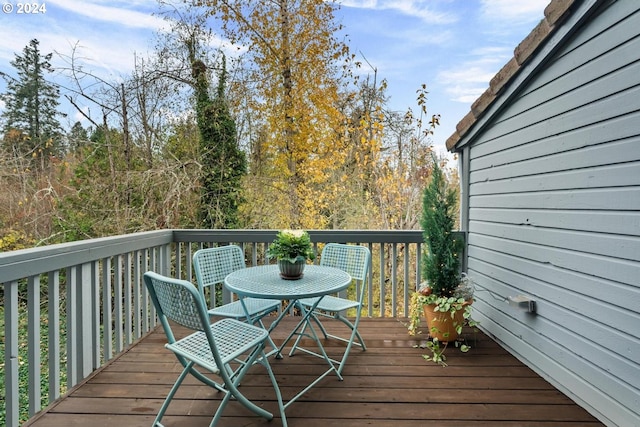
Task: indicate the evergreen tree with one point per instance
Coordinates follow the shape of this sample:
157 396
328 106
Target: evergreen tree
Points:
31 102
223 163
77 137
442 259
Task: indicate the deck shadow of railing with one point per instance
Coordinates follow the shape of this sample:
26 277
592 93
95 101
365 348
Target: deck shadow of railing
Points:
61 292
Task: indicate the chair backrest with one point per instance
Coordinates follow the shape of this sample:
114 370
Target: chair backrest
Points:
179 301
176 300
212 265
354 259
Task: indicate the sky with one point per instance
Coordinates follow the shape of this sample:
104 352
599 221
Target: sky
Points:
454 47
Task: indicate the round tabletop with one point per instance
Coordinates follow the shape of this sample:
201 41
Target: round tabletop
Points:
265 282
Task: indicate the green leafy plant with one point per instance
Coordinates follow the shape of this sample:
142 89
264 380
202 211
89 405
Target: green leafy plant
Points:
460 300
450 305
292 246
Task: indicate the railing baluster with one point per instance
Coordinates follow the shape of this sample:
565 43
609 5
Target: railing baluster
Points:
382 281
85 310
107 316
53 309
137 274
96 343
394 279
117 303
405 289
33 344
72 325
146 316
370 286
128 326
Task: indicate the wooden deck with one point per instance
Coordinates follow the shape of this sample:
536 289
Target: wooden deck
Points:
389 385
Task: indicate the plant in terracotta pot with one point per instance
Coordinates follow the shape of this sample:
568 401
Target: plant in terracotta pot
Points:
446 295
292 249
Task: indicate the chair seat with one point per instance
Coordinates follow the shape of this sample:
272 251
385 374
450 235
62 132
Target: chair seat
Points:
233 338
254 306
330 303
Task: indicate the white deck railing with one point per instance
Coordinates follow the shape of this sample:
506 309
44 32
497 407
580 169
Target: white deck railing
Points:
85 301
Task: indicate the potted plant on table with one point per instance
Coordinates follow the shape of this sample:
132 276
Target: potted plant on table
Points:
446 294
292 249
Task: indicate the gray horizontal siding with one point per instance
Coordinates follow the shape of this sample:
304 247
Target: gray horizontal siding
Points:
604 165
624 223
554 212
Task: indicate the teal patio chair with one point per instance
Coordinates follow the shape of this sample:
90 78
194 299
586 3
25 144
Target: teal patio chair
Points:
211 266
212 347
356 261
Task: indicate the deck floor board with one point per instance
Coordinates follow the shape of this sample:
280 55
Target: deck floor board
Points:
389 385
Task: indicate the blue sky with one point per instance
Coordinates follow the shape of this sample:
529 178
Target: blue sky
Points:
453 46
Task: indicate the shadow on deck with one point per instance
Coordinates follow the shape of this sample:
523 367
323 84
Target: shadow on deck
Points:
388 385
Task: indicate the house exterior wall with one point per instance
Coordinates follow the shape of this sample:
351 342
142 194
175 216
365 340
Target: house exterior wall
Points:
552 197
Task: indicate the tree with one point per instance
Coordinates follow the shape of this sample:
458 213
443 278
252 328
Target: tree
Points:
223 163
184 58
124 177
31 107
77 137
291 84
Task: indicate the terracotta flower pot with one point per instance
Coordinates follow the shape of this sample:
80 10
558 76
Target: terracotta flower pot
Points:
441 325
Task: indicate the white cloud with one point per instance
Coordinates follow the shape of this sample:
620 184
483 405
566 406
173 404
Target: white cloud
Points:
422 9
468 80
96 29
509 10
122 14
502 18
503 24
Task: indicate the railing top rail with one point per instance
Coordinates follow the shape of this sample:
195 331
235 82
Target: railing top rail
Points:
16 265
267 236
27 262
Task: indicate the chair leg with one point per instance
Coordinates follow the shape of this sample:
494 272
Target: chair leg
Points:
187 369
353 327
320 325
267 365
234 392
269 339
354 334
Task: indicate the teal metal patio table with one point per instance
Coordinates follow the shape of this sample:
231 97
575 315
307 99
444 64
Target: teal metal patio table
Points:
265 282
